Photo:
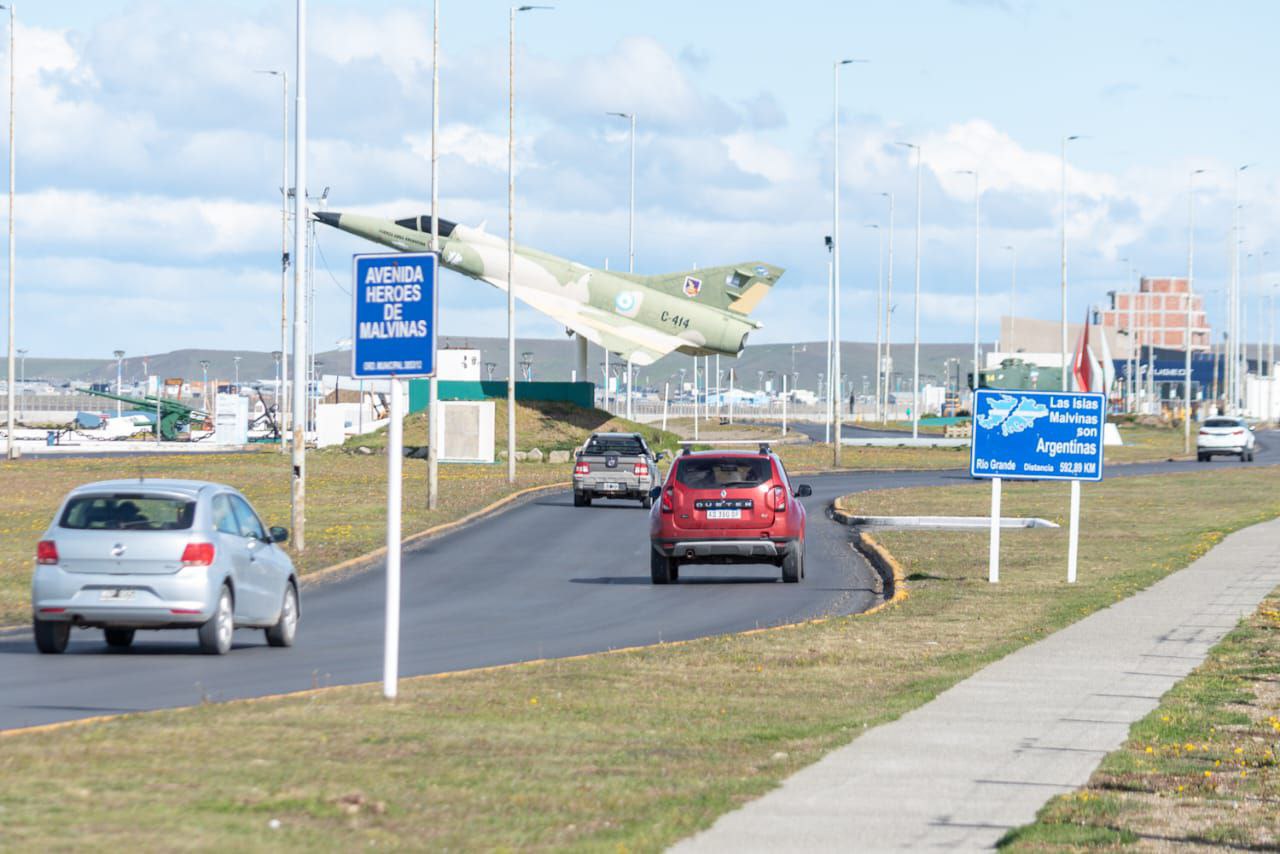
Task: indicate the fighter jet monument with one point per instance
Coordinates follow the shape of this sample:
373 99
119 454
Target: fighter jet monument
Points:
641 318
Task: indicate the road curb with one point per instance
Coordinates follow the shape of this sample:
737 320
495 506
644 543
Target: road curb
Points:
357 563
884 563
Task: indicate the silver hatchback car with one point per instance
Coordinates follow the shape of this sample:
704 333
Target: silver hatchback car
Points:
123 555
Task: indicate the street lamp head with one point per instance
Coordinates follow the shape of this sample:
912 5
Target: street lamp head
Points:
119 354
907 145
828 242
270 71
531 8
840 62
1073 137
620 115
874 225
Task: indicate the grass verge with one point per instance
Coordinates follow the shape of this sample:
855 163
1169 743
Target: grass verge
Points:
632 750
1199 771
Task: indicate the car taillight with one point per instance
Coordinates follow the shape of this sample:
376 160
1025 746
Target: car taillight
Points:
641 470
46 552
778 497
197 554
668 499
1237 432
582 468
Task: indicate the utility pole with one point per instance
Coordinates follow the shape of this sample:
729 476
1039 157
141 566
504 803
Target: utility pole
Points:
300 216
887 365
11 424
433 386
1065 140
1186 342
915 370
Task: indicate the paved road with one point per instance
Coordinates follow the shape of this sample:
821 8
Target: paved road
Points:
544 579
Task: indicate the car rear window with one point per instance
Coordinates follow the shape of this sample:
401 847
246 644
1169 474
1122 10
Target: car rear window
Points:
128 512
723 472
626 445
1222 422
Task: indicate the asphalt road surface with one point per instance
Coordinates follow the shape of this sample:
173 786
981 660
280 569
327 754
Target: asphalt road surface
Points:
544 579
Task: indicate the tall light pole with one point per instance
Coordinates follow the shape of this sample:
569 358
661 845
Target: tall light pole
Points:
1233 301
1186 339
10 448
1013 295
879 306
829 415
298 417
284 243
835 250
886 366
631 229
119 354
977 266
1065 383
204 391
433 385
511 238
236 360
1132 362
22 399
915 370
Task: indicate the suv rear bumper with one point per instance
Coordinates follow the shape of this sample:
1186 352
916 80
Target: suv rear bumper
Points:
743 550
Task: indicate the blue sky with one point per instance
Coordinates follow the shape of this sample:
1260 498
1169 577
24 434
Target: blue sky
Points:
148 153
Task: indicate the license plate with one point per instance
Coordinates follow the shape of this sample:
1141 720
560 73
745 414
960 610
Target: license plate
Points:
611 487
116 594
724 514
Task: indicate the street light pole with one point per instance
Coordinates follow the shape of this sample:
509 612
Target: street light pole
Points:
1013 299
631 229
298 416
1233 302
1065 140
879 308
10 423
915 370
433 386
284 245
835 250
1186 342
887 363
977 245
511 238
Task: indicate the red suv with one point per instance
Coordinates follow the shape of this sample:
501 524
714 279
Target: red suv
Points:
727 507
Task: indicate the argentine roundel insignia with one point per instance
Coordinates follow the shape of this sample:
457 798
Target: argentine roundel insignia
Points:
692 286
627 303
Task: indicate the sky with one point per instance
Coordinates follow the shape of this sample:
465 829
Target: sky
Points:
149 154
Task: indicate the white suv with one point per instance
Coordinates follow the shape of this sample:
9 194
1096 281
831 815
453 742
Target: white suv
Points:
1222 435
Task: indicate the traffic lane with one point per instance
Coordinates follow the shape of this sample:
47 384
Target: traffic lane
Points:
468 603
543 580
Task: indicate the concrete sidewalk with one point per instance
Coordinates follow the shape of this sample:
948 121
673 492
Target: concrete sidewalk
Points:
984 756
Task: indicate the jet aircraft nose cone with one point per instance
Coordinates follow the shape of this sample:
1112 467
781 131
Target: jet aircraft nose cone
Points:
328 217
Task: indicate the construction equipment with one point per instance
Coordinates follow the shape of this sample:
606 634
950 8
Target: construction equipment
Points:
174 417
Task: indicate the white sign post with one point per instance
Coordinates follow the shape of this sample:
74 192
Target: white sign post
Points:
993 562
1036 435
394 338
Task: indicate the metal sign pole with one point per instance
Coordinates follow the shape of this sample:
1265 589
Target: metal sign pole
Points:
395 458
993 560
784 404
666 391
1073 546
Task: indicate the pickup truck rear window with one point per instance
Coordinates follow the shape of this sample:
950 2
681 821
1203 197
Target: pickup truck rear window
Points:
128 512
723 472
622 445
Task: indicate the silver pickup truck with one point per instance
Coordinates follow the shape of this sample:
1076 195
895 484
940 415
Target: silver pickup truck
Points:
615 465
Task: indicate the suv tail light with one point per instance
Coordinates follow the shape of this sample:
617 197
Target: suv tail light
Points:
778 498
197 554
668 499
46 552
641 470
582 468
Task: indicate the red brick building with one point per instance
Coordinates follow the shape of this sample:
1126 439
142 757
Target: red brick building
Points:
1157 314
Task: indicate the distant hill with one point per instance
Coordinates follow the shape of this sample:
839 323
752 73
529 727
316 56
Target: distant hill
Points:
553 359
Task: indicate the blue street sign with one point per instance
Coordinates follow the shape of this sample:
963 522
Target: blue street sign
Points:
394 315
1046 435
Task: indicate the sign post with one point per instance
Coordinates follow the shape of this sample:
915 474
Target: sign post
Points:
394 337
1037 435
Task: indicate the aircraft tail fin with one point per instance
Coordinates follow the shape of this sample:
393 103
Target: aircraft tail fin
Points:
737 287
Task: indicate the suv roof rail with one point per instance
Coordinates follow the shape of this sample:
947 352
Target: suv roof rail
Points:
763 445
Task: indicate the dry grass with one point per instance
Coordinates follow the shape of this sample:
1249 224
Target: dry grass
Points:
626 751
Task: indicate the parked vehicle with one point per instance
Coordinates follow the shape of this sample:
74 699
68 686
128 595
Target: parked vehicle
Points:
727 507
1225 435
124 555
615 465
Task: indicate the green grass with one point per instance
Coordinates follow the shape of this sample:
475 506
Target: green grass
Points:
633 750
1199 771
